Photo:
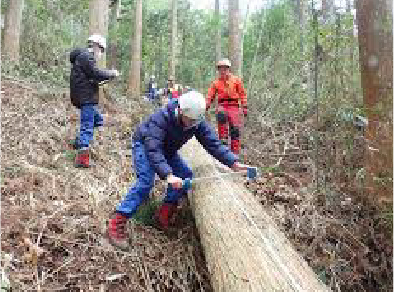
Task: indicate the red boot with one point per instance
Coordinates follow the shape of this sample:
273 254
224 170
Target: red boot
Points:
235 146
164 214
117 231
82 159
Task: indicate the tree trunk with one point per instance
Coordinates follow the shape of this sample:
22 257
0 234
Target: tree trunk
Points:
375 33
254 62
135 72
300 16
218 32
12 29
1 20
348 6
324 8
242 35
98 20
244 249
234 37
113 45
174 27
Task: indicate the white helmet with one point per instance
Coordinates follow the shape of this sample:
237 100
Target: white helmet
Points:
152 77
224 63
192 105
98 39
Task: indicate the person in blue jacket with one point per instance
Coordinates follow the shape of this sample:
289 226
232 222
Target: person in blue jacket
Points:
155 146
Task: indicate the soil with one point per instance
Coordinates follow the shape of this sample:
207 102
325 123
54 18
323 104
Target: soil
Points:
54 215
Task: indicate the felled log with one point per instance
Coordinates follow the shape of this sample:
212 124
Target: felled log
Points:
244 249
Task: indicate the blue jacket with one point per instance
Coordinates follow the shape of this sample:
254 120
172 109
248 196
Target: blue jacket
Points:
163 135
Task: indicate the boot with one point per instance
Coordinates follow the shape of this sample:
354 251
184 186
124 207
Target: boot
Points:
72 145
224 141
235 146
116 232
164 215
82 159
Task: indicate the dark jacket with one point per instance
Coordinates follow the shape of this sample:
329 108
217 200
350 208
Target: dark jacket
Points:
85 78
163 135
151 90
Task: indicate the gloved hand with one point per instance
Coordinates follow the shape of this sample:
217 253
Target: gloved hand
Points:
245 112
207 114
114 72
174 181
239 166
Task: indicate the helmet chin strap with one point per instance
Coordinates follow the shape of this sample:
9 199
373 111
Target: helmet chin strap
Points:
96 53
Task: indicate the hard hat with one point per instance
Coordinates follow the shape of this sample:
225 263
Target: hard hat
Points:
224 63
99 40
152 77
192 105
171 78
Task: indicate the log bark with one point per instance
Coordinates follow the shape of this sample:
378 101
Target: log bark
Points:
244 249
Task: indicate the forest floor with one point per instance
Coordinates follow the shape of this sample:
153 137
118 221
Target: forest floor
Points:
53 215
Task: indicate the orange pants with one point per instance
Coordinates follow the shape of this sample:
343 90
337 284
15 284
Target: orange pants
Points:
229 118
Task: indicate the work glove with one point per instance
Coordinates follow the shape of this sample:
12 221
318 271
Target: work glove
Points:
245 112
239 166
207 114
114 73
174 181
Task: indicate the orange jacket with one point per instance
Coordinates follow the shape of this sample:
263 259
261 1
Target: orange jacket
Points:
229 91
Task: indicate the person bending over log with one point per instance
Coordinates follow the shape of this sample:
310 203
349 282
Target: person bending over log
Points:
155 146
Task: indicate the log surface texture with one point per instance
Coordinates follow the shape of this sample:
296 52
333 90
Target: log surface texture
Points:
244 249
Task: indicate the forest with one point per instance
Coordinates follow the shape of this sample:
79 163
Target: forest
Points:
318 76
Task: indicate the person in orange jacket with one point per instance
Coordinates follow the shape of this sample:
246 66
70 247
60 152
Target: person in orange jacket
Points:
231 96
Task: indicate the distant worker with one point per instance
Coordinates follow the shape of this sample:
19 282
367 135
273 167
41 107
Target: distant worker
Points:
186 89
172 89
151 91
231 96
85 77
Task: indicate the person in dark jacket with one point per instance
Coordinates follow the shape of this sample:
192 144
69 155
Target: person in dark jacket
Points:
171 91
152 93
151 90
85 78
155 145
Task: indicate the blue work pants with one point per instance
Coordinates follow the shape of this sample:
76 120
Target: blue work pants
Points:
90 118
145 172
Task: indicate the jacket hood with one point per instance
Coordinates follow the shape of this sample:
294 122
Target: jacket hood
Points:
75 53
